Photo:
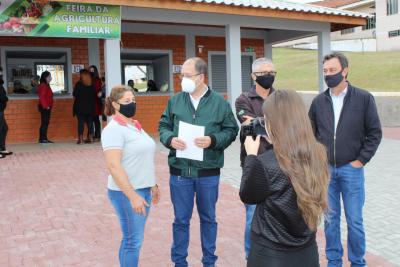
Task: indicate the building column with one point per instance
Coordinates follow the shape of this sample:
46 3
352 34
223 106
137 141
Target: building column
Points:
267 48
233 62
112 63
324 48
190 45
94 52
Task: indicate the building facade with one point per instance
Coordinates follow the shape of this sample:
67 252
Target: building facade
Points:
381 33
388 25
156 38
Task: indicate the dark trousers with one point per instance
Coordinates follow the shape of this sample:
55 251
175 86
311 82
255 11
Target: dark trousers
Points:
261 256
45 115
97 126
82 119
3 131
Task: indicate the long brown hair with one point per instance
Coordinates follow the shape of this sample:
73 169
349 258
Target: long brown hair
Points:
301 157
116 94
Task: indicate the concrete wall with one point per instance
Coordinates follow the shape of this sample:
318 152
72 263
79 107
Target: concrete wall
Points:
388 106
356 45
385 24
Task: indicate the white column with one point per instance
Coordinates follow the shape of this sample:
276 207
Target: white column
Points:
233 62
94 52
324 48
190 45
267 48
112 63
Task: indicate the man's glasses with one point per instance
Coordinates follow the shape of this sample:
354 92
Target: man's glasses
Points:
188 75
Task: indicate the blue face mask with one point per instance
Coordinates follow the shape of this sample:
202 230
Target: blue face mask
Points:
334 80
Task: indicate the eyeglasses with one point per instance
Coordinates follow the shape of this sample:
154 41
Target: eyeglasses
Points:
262 73
188 75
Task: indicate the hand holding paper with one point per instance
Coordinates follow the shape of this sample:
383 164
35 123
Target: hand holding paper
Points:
188 133
203 142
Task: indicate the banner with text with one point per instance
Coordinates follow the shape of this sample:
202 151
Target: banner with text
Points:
59 19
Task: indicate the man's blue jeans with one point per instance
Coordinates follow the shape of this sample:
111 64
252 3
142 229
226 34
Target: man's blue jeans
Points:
348 182
249 218
183 192
132 225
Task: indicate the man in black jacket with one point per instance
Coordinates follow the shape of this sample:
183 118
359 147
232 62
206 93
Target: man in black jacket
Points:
346 121
3 123
249 106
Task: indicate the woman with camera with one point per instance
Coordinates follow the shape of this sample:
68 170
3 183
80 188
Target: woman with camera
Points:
288 183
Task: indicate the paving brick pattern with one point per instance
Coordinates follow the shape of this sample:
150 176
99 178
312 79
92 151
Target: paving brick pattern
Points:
381 212
55 212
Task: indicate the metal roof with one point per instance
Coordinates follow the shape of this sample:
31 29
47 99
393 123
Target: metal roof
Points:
284 5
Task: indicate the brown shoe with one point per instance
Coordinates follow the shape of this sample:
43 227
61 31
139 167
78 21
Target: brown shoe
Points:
89 140
80 140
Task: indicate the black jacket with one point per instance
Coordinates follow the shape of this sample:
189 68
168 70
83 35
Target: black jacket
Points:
358 132
85 97
3 98
277 221
250 104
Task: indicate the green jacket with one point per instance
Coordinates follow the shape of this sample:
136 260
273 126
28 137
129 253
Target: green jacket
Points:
213 112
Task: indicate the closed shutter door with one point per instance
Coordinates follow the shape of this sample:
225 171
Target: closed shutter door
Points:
218 73
247 81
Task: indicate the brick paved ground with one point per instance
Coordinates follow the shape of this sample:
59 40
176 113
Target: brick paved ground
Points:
55 213
381 212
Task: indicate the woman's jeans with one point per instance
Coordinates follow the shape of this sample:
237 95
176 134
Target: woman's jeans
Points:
132 225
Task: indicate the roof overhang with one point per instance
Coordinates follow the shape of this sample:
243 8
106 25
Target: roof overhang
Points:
338 20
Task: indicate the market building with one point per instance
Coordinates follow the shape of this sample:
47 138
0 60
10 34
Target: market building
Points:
144 40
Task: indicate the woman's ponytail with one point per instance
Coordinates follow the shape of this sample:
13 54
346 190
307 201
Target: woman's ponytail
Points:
108 108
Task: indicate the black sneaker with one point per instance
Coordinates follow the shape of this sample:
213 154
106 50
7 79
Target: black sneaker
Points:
49 142
6 153
42 142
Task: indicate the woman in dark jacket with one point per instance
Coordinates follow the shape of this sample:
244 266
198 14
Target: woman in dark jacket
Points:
84 105
3 124
45 106
289 185
98 110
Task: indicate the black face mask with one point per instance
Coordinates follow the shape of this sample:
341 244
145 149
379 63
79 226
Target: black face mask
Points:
128 110
334 80
266 81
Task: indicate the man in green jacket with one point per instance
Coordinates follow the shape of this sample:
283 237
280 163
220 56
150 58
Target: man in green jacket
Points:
197 105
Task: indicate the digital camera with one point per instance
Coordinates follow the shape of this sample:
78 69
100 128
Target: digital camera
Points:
255 128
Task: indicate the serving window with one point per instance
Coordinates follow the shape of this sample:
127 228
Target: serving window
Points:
23 69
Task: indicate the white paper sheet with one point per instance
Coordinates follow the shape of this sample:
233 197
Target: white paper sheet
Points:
188 133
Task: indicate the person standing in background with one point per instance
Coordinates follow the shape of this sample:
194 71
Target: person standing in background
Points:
3 124
84 105
45 106
98 105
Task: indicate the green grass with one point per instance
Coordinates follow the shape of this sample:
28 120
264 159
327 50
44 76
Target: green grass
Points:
373 71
